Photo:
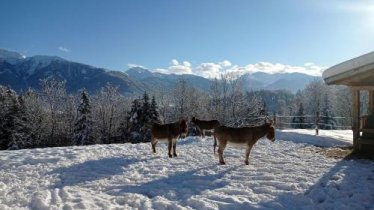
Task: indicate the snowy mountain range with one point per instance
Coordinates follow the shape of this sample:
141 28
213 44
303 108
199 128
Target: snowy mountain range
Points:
21 72
155 80
252 81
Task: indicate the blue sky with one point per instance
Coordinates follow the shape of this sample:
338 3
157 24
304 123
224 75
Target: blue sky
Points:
191 36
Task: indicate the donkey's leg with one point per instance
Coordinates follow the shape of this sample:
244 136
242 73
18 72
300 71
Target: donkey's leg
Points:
200 131
214 145
247 152
174 148
204 134
153 143
221 147
170 140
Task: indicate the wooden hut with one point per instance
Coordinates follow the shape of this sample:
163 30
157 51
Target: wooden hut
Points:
358 74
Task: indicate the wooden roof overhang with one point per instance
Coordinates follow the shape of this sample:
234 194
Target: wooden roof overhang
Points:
357 72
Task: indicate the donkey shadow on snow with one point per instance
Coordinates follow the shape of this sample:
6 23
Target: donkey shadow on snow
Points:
92 170
349 184
182 185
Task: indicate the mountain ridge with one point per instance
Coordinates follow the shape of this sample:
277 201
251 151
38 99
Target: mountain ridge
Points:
21 72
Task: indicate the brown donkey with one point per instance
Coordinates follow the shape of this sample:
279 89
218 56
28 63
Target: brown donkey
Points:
168 133
244 137
204 125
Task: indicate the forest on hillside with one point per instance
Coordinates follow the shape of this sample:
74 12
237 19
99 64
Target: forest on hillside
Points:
52 117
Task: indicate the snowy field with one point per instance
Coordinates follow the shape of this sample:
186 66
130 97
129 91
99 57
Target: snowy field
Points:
281 175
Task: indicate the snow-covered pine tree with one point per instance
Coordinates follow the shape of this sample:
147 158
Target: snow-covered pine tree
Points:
83 131
155 116
4 107
146 120
146 109
15 130
326 119
133 125
299 119
140 119
36 117
251 110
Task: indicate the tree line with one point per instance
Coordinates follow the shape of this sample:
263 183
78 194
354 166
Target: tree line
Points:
53 117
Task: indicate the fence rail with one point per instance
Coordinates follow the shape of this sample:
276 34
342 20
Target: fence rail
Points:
316 121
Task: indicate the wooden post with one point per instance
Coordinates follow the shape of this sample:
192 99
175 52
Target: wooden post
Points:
355 118
316 122
274 118
371 102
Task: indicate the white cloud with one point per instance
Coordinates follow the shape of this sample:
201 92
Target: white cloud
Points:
209 70
132 65
180 69
225 63
308 64
213 70
163 71
267 67
186 63
174 62
176 68
63 49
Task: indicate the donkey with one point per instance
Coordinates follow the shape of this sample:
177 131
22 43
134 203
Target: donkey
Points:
244 137
204 125
168 133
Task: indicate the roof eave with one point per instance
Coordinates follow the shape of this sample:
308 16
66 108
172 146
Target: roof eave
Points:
345 78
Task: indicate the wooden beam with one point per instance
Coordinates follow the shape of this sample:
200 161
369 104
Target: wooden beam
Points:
367 130
355 118
365 141
371 88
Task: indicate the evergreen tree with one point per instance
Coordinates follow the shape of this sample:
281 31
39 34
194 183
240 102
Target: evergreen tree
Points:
133 128
83 131
145 116
155 116
140 119
299 119
327 121
15 131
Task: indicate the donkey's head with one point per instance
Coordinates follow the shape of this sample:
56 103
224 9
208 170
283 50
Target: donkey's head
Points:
193 120
183 128
271 131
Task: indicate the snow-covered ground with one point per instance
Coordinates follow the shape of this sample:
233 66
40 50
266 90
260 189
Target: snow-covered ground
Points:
325 138
281 175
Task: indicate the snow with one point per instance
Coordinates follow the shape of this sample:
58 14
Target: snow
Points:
40 61
326 138
281 175
351 64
